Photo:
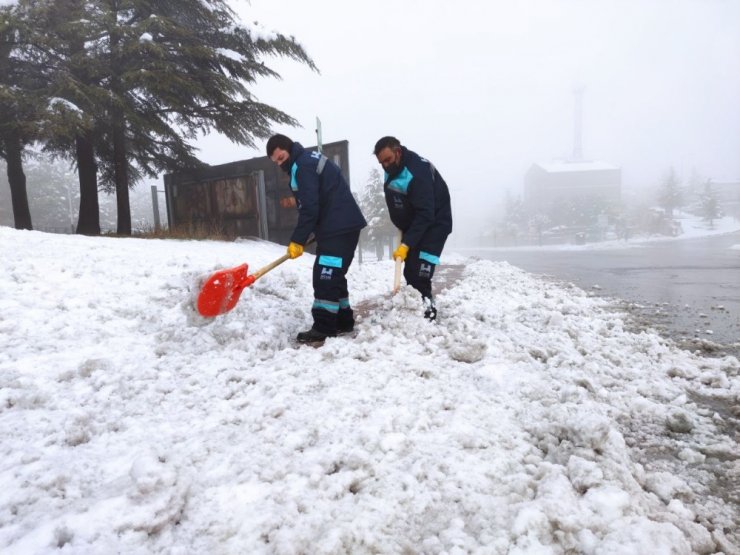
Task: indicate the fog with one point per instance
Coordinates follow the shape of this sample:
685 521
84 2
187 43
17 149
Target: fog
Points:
485 89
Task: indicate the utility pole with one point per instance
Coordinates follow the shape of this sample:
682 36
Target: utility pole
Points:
69 209
155 208
577 124
318 132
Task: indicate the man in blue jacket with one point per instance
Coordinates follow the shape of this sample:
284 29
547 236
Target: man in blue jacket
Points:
419 205
328 211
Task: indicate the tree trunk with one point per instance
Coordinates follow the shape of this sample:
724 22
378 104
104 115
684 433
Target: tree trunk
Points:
17 181
120 165
89 220
121 176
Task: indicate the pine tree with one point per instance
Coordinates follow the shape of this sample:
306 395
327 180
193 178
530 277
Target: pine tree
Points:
380 231
670 195
66 88
127 83
515 216
539 222
178 68
17 109
709 203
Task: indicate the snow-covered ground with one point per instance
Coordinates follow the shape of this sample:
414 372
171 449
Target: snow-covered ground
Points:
695 226
528 420
692 226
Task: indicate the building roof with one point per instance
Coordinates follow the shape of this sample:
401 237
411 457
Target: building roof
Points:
575 166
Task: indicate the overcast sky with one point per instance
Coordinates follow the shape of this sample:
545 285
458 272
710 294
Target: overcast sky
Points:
485 88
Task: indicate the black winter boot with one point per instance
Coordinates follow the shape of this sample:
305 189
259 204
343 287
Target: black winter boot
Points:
345 321
349 328
311 336
430 311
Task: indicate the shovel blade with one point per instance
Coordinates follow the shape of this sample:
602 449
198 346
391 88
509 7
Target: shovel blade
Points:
221 291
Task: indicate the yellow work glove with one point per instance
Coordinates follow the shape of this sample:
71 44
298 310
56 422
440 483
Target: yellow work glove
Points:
295 250
401 252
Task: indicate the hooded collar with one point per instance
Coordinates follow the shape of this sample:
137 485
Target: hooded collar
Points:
295 151
401 163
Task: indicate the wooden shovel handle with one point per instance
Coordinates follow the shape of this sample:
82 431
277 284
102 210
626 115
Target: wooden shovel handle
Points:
397 274
262 271
275 263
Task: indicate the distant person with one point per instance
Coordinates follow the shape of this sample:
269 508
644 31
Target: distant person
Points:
419 205
328 211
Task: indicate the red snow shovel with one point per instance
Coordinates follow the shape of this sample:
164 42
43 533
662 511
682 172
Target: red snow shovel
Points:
221 291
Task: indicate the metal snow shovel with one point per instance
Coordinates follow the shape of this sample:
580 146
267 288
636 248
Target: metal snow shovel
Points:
221 291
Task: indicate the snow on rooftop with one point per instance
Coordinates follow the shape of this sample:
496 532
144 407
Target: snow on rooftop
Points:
576 166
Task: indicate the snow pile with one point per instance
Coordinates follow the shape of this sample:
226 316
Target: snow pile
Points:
529 420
